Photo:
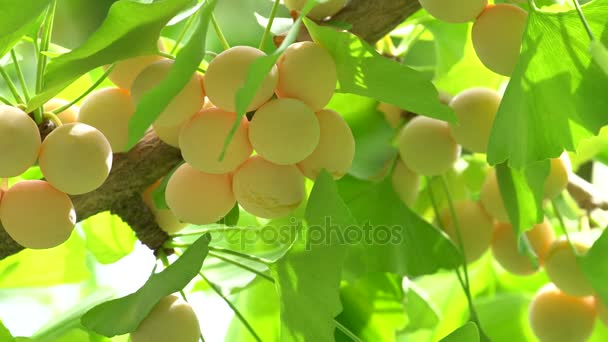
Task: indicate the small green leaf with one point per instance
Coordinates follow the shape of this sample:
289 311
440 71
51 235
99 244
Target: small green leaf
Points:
362 71
130 29
467 333
108 237
599 53
450 41
17 17
187 61
123 315
232 218
5 334
420 310
595 266
308 281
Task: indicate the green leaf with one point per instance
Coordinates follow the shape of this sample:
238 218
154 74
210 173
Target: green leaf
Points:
131 29
362 71
600 55
420 310
17 17
552 103
5 334
123 315
595 266
308 281
232 218
467 333
512 308
158 195
450 41
187 61
108 237
399 241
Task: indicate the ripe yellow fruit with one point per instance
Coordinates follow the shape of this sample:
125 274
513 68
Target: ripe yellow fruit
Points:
491 199
168 134
454 11
197 197
557 180
76 158
69 115
497 36
202 139
476 109
406 183
602 311
19 141
558 317
427 147
284 131
475 228
227 73
562 267
336 149
36 215
506 252
187 103
127 70
109 110
296 69
164 217
320 11
268 190
172 319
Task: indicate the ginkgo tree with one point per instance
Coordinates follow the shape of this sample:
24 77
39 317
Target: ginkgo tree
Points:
321 170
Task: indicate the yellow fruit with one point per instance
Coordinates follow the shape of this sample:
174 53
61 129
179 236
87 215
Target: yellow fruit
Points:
168 134
558 317
476 109
562 267
454 11
36 215
268 190
602 311
197 197
69 115
557 180
76 158
497 36
506 252
427 147
109 110
227 73
491 199
187 102
392 113
320 11
172 319
19 141
164 217
475 228
336 149
127 70
202 139
307 72
284 131
406 183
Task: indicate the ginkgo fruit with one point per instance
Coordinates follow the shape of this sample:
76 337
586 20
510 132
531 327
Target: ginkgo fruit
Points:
284 131
558 317
165 218
171 319
168 134
76 158
454 11
320 11
427 134
557 180
202 139
66 116
109 110
506 251
184 105
126 71
268 190
476 109
36 215
227 73
19 141
336 149
297 64
197 197
475 227
497 36
491 199
392 114
563 268
406 183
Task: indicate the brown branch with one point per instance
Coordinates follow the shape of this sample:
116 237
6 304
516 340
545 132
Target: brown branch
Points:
585 194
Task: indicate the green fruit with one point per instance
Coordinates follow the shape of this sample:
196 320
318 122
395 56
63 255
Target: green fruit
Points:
19 141
320 11
172 319
454 11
